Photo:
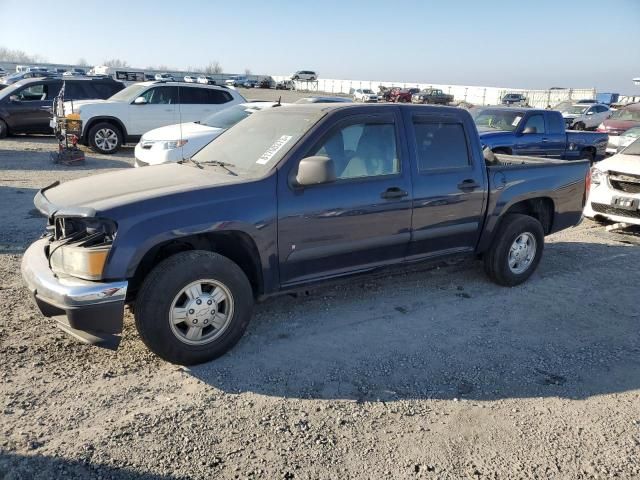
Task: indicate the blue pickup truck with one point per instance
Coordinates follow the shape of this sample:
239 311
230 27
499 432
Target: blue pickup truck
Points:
537 133
289 197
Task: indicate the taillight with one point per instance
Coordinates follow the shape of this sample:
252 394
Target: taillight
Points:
587 187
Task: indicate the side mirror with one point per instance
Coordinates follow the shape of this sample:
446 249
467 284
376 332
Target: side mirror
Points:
589 113
140 101
315 171
529 130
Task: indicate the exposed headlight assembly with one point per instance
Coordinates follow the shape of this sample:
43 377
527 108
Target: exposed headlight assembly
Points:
170 145
81 246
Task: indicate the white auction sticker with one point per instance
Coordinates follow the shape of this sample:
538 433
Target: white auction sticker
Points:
515 121
273 149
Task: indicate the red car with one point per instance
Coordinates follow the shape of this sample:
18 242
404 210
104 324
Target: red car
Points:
621 120
402 95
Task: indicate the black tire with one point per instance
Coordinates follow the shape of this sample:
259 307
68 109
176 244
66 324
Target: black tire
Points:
496 259
4 129
164 284
107 128
588 154
579 126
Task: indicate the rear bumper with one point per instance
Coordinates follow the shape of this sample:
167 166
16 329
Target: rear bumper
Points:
90 311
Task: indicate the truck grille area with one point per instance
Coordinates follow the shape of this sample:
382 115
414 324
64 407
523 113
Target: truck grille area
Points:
619 212
625 182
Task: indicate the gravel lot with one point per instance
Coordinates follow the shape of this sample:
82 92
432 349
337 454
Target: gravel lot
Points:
431 373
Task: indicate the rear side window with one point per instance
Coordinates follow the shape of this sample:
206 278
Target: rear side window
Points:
556 123
203 96
440 146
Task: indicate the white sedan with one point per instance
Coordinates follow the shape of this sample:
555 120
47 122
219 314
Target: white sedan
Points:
615 187
175 143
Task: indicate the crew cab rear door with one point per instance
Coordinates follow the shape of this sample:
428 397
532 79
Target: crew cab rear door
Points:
449 187
362 219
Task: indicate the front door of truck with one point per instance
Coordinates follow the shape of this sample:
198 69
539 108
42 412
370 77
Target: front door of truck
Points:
362 219
530 138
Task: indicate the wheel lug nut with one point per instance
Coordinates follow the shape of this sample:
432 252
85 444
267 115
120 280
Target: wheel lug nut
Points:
205 321
198 302
213 312
209 302
195 321
191 311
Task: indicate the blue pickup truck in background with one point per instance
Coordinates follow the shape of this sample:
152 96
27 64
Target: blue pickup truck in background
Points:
536 133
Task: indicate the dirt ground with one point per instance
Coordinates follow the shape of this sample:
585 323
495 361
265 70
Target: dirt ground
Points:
434 373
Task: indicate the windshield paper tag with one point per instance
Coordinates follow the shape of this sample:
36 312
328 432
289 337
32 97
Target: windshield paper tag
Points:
273 149
515 121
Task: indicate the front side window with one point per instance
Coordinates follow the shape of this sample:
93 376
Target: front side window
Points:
36 93
161 96
440 146
535 124
362 150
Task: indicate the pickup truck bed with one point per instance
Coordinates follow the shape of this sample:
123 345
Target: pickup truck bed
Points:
320 192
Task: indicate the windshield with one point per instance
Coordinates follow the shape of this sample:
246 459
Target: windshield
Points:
366 90
499 119
626 114
228 117
129 94
632 133
574 109
633 149
252 147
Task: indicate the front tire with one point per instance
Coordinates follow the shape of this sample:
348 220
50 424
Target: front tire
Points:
193 307
105 138
516 250
579 126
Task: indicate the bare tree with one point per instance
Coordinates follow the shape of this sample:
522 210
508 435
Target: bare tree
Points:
213 67
19 56
115 63
82 62
247 71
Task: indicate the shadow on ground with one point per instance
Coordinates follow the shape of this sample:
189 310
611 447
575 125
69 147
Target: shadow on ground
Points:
38 160
37 467
571 331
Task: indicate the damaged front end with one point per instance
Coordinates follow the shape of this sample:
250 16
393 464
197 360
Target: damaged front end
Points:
64 272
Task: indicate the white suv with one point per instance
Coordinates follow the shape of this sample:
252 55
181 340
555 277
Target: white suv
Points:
582 116
307 75
364 95
126 116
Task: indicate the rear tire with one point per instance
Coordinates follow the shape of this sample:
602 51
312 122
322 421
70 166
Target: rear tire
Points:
4 129
169 311
579 126
105 138
516 250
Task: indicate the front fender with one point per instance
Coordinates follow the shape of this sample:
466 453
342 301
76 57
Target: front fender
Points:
251 209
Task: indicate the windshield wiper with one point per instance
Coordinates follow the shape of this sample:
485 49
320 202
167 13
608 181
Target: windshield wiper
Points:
218 163
197 163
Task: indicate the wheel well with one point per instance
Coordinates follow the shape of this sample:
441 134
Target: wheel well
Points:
235 245
591 150
113 121
503 150
540 208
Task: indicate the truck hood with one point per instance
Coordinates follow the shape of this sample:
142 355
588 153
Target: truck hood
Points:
76 105
97 194
179 131
622 163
